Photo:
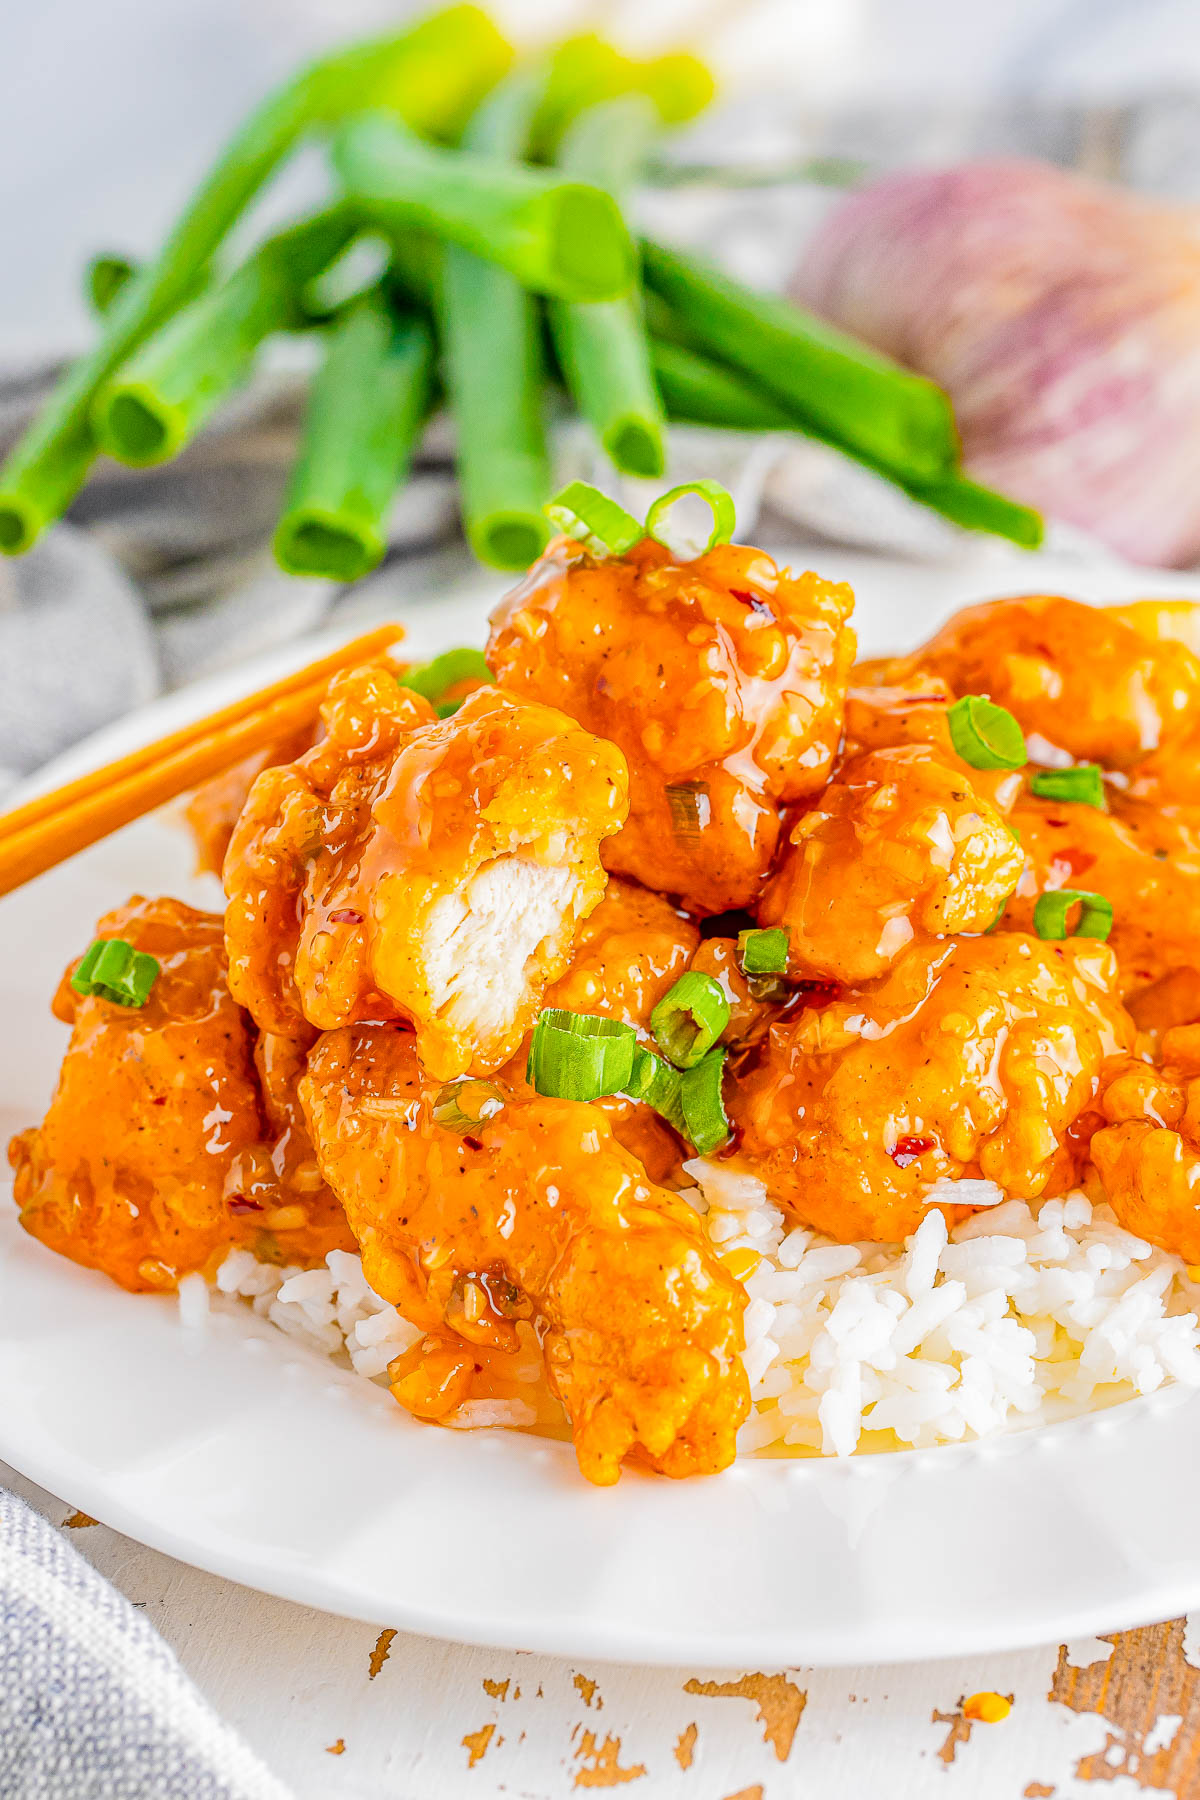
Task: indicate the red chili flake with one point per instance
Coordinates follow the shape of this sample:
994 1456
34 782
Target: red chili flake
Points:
345 915
908 1149
159 1100
1071 862
472 1143
241 1203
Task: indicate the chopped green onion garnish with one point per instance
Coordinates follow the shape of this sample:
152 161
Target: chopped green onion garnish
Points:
655 1083
705 1121
986 735
689 1100
583 512
763 952
435 679
1083 785
113 970
1050 914
577 1056
719 500
690 1018
464 1106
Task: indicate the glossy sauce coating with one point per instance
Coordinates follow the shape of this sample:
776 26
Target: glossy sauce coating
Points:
900 848
976 1054
430 870
722 682
1079 677
1147 1153
536 1211
156 1153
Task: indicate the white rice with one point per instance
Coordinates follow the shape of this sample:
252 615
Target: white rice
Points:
1015 1317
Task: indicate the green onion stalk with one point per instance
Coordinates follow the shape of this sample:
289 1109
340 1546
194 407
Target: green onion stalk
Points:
158 399
602 347
433 74
366 409
866 402
492 361
555 235
700 389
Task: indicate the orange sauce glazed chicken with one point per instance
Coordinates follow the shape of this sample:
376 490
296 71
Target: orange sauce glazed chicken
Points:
679 882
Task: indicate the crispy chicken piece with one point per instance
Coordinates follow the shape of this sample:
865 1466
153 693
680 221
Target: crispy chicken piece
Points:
973 1057
215 807
1078 676
899 848
535 1208
155 1155
1147 1155
416 869
721 679
1146 860
627 955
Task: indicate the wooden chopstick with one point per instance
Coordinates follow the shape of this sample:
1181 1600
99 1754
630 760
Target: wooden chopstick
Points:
359 650
57 825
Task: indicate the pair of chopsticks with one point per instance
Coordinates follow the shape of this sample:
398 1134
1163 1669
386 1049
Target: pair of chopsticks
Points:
56 825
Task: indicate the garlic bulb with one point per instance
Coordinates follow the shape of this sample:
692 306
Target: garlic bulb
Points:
1063 318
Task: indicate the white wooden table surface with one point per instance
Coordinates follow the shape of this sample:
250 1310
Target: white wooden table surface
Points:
343 1711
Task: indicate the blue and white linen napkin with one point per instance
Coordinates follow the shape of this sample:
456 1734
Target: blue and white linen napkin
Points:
93 1705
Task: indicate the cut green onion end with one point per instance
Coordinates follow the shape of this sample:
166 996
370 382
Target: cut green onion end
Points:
21 524
635 447
135 426
581 511
578 1056
690 1018
986 735
308 543
719 501
1080 786
111 969
1051 914
763 952
510 540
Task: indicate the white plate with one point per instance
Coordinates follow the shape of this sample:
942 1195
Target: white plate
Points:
246 1456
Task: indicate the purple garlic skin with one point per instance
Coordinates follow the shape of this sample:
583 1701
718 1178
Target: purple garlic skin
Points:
1063 318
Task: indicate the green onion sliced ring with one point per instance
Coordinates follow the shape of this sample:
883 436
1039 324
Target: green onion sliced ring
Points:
435 679
601 526
718 499
986 735
690 1018
705 1120
763 952
1081 786
1050 915
464 1106
113 970
577 1056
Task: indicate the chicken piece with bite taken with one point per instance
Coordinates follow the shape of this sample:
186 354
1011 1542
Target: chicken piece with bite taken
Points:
973 1057
721 679
513 1207
429 870
157 1152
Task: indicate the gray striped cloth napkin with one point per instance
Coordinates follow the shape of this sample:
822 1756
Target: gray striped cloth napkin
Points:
93 1705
